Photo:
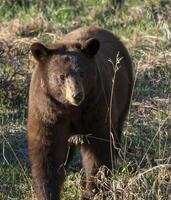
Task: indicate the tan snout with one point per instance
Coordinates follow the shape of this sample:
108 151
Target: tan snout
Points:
74 91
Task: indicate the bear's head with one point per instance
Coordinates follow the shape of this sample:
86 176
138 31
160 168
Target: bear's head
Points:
68 69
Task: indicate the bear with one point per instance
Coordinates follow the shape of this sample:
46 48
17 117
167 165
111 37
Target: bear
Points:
82 84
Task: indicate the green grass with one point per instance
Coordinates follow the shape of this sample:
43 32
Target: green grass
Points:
144 169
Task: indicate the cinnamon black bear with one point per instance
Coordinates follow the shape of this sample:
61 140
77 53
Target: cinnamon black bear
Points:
81 85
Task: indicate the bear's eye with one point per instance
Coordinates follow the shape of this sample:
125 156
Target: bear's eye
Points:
62 77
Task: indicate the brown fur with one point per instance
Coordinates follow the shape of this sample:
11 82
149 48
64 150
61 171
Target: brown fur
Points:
54 117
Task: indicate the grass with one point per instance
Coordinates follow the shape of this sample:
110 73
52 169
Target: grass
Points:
144 169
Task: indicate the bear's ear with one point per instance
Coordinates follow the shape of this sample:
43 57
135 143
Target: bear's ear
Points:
91 47
39 51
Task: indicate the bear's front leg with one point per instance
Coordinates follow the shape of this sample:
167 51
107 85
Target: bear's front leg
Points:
95 154
47 149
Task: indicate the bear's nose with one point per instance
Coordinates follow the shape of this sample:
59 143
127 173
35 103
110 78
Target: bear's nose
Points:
78 96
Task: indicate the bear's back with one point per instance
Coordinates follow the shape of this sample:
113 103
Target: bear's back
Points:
113 62
111 49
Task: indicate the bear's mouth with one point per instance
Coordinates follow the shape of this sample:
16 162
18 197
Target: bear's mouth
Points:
75 97
78 97
77 100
